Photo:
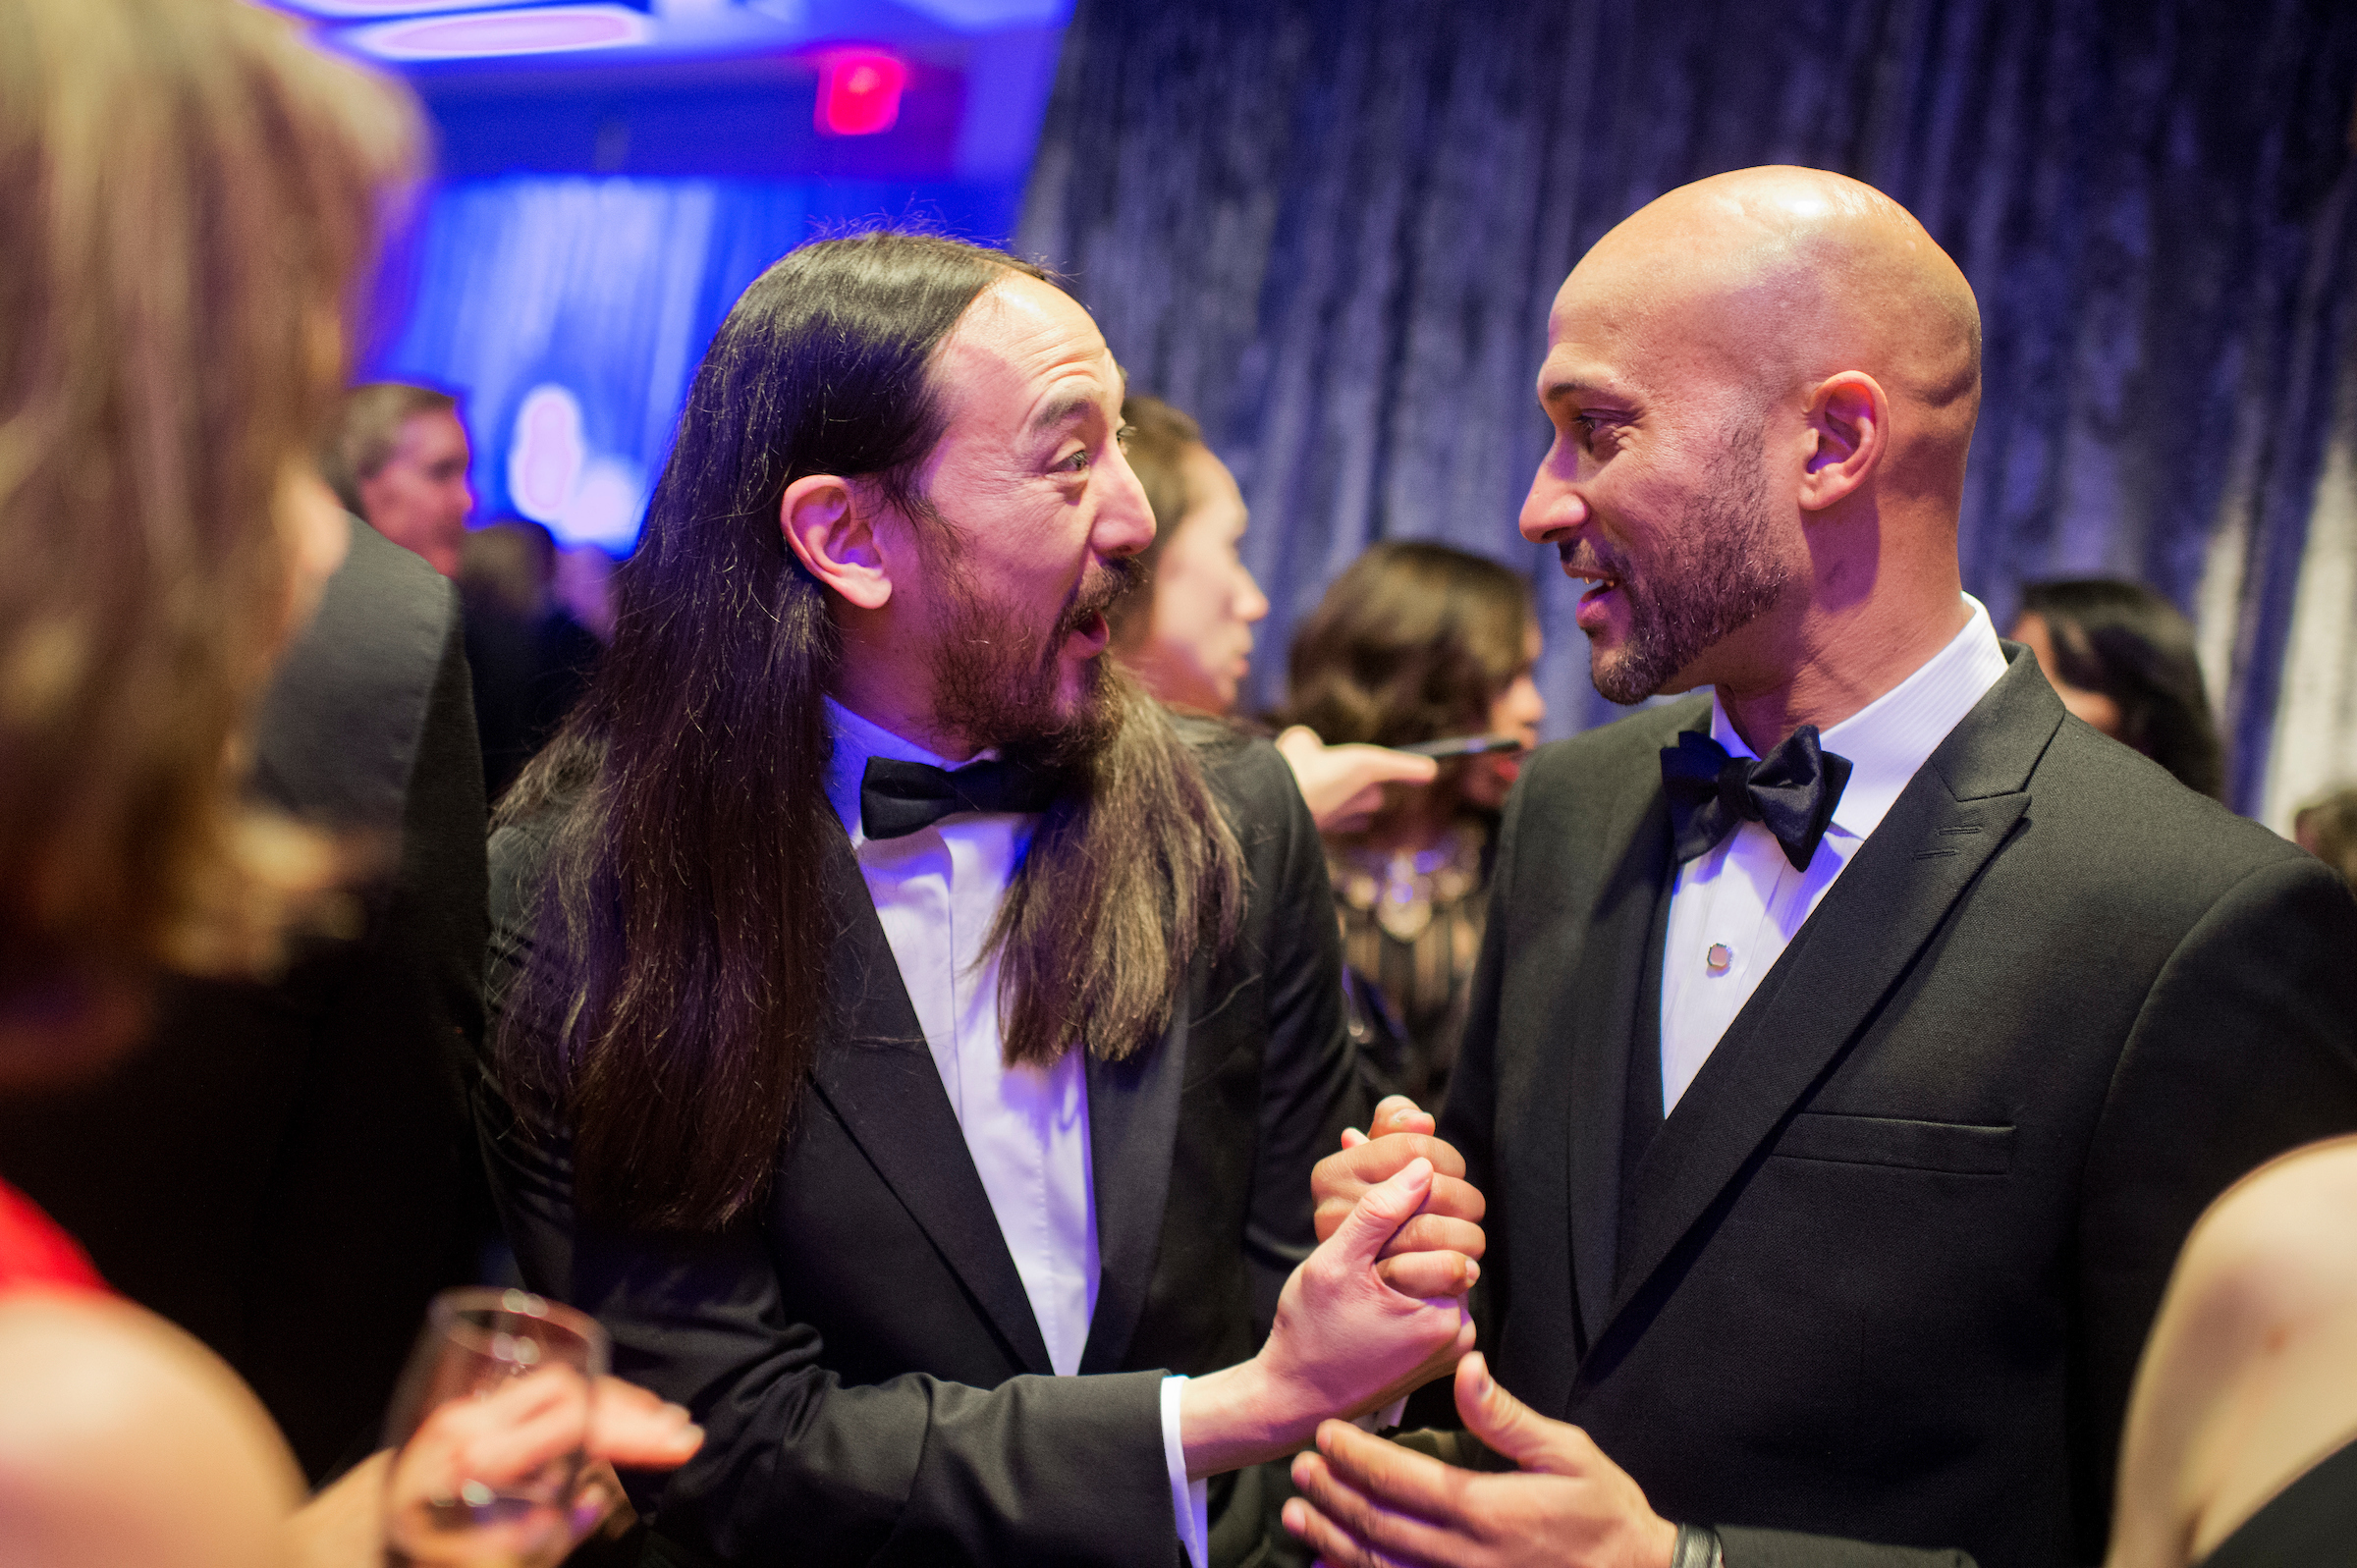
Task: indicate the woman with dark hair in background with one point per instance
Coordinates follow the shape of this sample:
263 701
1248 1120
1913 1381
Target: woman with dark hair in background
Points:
1185 628
2121 658
1415 643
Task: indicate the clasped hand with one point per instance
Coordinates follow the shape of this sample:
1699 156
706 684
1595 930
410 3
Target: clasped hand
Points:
1374 1314
1369 1503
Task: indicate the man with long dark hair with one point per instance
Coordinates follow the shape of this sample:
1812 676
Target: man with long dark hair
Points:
901 1014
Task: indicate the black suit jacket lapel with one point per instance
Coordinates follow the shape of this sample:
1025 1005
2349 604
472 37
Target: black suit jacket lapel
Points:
878 1076
1600 1004
1132 1128
1927 850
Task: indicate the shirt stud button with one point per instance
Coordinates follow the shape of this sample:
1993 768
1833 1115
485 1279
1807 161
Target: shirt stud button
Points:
1719 957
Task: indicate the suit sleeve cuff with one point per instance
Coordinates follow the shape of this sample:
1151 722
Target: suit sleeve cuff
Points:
1190 1501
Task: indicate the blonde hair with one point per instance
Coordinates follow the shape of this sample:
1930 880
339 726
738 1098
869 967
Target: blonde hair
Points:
370 429
189 199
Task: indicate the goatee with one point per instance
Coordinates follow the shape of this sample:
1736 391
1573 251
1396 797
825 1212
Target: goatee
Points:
1707 578
998 684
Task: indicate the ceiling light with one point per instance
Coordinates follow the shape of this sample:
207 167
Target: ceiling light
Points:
362 10
860 91
480 34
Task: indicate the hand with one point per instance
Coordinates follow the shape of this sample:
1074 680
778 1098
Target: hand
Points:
1367 1503
533 1421
1344 785
1345 1342
344 1526
1416 1260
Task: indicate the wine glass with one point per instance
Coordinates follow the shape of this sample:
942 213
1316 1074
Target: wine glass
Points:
489 1427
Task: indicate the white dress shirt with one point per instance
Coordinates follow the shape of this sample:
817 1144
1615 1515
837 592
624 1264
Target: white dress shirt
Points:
937 892
1742 902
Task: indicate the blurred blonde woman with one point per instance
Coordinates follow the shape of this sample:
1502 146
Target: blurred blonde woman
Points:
187 199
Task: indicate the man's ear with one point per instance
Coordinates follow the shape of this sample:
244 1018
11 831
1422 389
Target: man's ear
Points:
1850 427
832 535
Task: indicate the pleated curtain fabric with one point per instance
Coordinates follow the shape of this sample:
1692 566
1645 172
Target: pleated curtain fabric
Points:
1331 232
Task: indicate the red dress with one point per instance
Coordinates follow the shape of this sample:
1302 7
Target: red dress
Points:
36 1253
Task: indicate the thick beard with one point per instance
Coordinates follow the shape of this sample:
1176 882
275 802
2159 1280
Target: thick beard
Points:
1711 576
995 681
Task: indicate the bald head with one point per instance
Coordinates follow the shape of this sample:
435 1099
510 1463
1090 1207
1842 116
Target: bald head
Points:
1763 387
1774 279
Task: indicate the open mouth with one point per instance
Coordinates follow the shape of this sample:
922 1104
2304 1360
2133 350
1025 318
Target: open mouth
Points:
1596 605
1088 635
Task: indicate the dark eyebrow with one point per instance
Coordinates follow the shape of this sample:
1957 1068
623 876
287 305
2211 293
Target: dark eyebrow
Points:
1577 386
1063 410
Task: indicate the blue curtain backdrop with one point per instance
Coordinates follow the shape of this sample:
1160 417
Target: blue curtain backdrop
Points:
1332 231
610 289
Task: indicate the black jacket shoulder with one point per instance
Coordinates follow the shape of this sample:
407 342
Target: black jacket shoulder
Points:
1607 761
1251 779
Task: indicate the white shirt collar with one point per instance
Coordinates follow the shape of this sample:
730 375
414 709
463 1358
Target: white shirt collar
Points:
1888 740
856 740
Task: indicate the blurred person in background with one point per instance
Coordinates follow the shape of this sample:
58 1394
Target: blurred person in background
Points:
529 657
2121 658
584 586
1184 626
281 1140
2241 1443
1187 633
1416 642
187 199
397 458
2326 828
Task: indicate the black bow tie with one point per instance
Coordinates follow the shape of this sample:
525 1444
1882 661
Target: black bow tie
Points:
1791 792
898 798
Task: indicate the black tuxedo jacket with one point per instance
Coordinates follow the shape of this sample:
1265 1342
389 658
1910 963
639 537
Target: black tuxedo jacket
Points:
277 1146
1885 1272
861 1354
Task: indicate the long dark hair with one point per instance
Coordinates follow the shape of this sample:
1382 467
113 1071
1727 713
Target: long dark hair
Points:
2135 647
677 993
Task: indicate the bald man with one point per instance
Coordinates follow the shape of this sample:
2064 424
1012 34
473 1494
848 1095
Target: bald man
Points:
1853 1047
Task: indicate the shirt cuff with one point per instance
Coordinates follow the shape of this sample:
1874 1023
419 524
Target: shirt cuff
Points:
1389 1415
1190 1500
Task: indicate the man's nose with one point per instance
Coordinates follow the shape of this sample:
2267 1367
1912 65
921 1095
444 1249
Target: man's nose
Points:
1124 521
1551 510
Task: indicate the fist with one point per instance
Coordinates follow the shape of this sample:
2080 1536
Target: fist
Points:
1425 1258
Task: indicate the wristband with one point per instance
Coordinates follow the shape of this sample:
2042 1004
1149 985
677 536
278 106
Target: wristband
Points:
1697 1548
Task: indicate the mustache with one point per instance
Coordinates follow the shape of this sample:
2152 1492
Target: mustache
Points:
1114 581
1586 555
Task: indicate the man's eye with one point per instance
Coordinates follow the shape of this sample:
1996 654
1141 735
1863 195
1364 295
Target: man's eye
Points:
1123 435
1594 432
1075 463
